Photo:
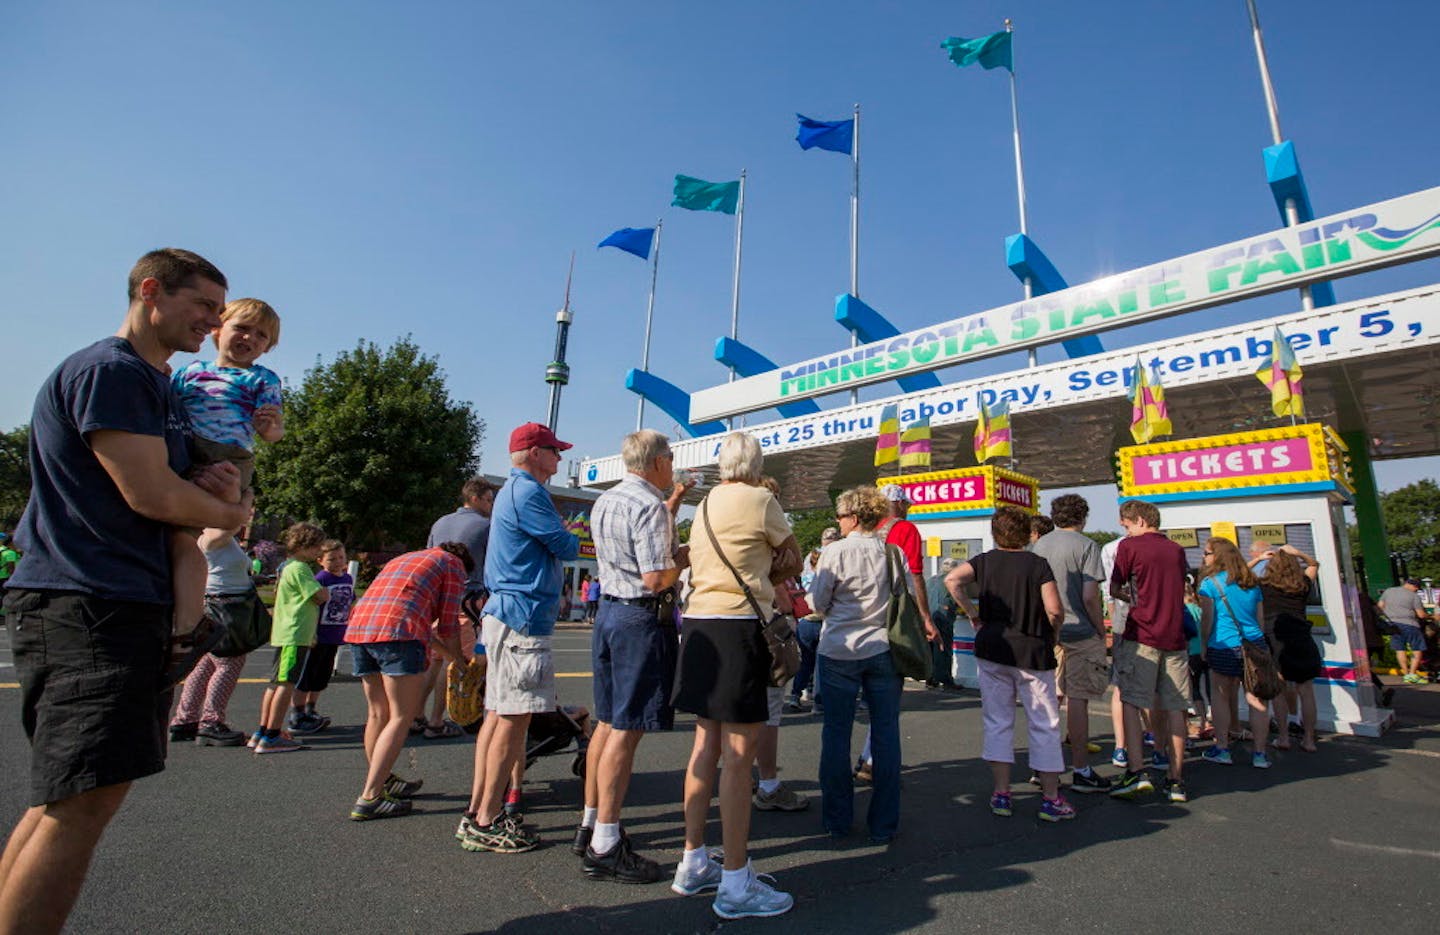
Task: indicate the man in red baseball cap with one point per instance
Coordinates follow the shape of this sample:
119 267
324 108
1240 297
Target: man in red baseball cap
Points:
528 541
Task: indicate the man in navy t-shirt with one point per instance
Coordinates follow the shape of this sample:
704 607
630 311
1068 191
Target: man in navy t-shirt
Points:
89 610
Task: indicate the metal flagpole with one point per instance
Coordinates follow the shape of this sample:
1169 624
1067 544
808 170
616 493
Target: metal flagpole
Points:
1272 109
735 286
649 317
855 229
1019 162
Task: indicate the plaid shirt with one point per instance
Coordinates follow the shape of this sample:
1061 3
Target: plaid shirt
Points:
634 533
410 593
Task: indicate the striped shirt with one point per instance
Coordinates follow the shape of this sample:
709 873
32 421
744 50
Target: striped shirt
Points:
634 533
411 592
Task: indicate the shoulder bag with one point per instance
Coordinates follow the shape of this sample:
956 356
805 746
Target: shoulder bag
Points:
909 650
779 630
1262 675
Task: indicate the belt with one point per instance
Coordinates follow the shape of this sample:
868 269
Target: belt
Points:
650 603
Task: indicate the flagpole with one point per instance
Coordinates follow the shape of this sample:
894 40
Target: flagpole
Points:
649 317
855 229
735 285
1272 110
1019 164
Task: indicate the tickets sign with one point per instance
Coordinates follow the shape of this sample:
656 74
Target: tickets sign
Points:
967 490
1298 454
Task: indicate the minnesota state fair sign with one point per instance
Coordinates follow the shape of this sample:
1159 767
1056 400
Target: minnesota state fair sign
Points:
1289 459
1402 229
972 491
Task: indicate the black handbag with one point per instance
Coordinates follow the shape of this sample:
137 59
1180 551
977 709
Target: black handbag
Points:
779 631
246 619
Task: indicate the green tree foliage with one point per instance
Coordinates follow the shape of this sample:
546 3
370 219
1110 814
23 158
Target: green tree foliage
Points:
14 475
374 450
1412 523
809 524
1102 536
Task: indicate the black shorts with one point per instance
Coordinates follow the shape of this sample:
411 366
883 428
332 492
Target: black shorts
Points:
90 672
289 663
316 669
724 670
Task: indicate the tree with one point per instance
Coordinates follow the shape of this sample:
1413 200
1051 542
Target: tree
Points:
14 475
1102 536
1412 523
809 524
374 449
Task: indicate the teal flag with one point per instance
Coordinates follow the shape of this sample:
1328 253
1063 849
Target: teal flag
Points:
992 51
699 195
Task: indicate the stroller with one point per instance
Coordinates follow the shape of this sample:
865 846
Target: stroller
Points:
553 732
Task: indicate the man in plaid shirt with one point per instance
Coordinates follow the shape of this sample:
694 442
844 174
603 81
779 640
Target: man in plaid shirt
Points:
390 631
634 646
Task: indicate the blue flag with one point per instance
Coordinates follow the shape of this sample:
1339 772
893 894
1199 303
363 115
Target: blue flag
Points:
838 136
992 51
695 194
636 240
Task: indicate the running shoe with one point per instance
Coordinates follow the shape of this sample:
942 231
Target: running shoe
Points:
1214 754
1094 782
758 900
281 744
1160 761
254 739
466 824
782 799
1119 759
401 787
1174 790
218 735
692 883
1056 809
384 805
1000 805
1132 785
1148 739
620 864
1260 761
499 837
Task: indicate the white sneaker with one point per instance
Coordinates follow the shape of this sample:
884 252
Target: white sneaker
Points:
759 900
692 883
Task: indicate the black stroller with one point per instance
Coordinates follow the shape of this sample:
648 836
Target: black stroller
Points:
553 733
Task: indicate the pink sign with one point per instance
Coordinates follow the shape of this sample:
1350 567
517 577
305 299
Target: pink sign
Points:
1015 494
957 490
1223 462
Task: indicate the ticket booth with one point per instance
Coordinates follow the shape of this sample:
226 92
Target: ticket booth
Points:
952 509
1279 486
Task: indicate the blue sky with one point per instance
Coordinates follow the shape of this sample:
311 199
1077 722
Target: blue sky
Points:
381 169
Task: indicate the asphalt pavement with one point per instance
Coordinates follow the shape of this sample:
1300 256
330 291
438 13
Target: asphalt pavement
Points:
224 841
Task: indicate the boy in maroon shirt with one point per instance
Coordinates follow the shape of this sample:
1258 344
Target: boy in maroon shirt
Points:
1152 667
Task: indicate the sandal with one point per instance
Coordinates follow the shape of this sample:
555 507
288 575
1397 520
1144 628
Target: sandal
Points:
418 725
444 731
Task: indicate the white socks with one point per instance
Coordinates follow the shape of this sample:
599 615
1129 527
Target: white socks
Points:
769 786
735 882
694 861
587 818
865 754
605 838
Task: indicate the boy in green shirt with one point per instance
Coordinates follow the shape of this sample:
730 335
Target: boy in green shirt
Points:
296 616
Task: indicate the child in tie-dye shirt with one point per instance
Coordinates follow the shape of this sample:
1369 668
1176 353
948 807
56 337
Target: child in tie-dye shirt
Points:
229 400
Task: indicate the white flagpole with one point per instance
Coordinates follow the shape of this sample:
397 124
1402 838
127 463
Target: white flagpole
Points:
649 317
855 229
735 286
1019 162
1272 110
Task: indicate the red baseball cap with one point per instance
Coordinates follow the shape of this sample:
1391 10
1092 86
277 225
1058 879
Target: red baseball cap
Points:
535 435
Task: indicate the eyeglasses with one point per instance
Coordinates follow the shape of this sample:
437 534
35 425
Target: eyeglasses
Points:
844 515
550 448
1209 554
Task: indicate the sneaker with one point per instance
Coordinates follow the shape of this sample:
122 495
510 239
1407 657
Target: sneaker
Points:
782 799
293 720
219 735
1132 785
1079 782
1148 739
862 772
254 739
306 724
1000 805
582 840
1260 761
1056 809
1035 780
692 883
620 864
183 733
281 744
1295 729
466 824
1119 759
1214 754
1174 790
403 788
384 805
759 900
498 837
1160 761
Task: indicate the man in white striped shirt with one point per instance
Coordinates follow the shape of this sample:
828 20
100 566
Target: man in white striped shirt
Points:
634 646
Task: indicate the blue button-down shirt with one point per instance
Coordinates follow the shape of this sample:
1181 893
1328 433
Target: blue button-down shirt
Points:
528 541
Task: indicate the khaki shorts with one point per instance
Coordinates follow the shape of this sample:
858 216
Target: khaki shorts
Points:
521 676
1148 677
1083 672
204 451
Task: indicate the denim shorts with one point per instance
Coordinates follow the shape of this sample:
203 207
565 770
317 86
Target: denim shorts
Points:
1409 638
633 657
394 658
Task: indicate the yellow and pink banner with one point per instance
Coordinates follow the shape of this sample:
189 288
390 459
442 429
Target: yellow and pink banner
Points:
1304 454
967 490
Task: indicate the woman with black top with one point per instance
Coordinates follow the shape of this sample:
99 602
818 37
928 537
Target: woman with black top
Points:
1015 650
1286 586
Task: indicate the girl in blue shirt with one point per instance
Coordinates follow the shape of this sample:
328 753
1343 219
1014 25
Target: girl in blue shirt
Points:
1231 609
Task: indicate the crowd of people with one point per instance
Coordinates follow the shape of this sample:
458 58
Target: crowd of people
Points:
133 579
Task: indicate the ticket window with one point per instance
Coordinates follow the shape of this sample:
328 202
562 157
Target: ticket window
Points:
1299 535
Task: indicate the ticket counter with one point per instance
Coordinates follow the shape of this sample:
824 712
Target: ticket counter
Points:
1281 486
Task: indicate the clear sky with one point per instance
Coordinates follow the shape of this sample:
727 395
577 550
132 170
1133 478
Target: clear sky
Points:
381 169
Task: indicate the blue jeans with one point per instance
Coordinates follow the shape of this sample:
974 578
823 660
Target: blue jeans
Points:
841 680
808 634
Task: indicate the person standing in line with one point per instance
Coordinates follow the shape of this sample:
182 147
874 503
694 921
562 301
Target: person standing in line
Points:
1152 666
9 558
298 597
1285 586
1119 609
1232 613
942 611
334 577
592 599
634 646
1402 606
470 526
92 601
1082 669
528 541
